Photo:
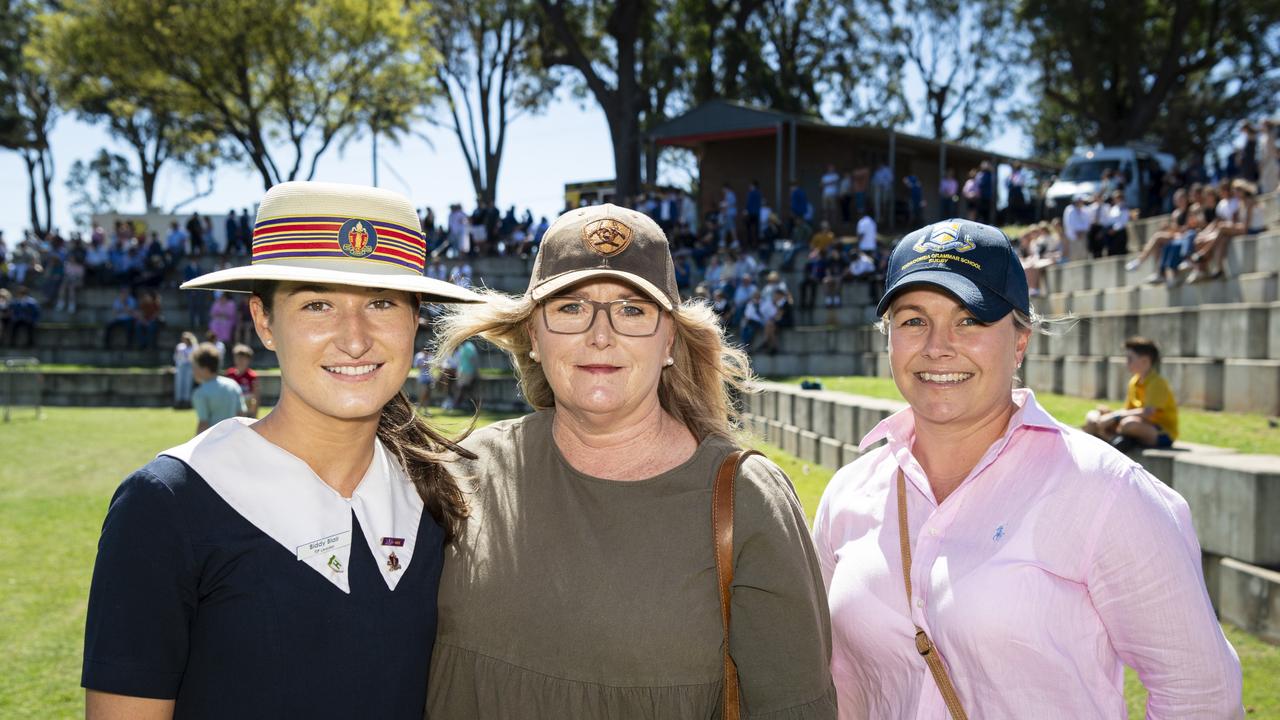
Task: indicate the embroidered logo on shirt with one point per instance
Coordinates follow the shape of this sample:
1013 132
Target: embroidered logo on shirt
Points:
999 534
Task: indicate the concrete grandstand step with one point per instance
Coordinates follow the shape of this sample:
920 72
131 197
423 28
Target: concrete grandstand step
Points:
1234 499
786 364
847 316
1251 386
1236 330
1259 287
1246 596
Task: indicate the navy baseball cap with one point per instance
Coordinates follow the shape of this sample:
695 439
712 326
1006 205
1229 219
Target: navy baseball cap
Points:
974 262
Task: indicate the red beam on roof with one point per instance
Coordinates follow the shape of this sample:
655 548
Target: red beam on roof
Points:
722 135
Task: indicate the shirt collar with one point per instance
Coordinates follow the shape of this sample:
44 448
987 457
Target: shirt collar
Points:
280 495
899 427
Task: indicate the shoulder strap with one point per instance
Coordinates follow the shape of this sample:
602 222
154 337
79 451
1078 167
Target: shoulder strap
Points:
924 645
722 527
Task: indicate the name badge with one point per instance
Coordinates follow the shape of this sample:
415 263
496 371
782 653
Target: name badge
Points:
393 541
324 545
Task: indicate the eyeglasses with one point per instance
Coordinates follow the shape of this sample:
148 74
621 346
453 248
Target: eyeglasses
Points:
570 315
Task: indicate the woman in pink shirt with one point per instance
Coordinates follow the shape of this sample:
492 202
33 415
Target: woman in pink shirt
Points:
1041 561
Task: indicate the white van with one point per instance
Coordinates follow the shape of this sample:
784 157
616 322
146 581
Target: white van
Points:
1141 169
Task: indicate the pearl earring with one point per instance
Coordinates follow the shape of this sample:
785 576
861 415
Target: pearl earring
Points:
669 361
267 343
533 355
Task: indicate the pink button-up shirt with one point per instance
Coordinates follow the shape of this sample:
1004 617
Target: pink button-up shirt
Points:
1053 564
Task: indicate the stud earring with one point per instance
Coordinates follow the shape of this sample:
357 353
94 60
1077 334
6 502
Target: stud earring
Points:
669 361
267 343
533 355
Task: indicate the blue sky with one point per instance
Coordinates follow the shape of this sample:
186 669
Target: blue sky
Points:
569 142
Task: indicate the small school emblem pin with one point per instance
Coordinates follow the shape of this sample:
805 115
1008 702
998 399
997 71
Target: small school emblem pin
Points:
944 237
335 564
357 238
606 237
393 563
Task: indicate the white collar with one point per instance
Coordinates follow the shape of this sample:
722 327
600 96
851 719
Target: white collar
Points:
285 499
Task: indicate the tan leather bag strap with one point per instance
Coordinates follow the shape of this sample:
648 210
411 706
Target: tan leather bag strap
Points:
924 645
722 528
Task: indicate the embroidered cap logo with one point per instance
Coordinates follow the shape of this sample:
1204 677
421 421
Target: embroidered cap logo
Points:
357 238
944 237
606 237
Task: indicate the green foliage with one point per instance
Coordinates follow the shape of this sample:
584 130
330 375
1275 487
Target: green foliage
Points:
265 73
28 108
961 53
112 182
140 105
1177 73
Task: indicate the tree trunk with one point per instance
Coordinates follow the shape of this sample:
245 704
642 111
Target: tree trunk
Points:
624 130
46 179
33 199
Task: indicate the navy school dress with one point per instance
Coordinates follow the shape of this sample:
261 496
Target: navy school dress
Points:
191 601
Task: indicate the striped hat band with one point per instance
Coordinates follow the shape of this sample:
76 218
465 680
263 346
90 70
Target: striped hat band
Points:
384 245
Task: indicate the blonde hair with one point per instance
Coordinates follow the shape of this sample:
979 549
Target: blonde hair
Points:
699 389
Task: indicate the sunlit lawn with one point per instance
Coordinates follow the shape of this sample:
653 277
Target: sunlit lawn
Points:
56 478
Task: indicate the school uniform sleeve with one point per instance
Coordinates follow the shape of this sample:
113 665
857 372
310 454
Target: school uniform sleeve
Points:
1145 580
143 594
780 627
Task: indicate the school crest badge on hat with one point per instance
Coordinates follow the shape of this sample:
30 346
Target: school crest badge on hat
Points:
333 234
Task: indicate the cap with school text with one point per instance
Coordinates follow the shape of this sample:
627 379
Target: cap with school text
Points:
974 262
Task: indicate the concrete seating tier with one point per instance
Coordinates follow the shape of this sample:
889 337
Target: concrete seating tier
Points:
1248 258
154 388
1234 497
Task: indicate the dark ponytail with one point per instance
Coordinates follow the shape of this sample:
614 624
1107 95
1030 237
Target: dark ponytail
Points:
422 451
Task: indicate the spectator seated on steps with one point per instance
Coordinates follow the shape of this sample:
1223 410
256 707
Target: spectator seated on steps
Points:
1150 415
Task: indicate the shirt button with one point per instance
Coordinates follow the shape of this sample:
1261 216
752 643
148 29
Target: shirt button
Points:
933 531
919 603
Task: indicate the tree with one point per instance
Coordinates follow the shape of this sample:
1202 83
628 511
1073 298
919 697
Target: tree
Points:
142 107
603 42
99 185
961 53
28 109
1177 72
265 71
489 74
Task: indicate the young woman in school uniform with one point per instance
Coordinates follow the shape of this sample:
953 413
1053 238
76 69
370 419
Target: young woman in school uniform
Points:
287 567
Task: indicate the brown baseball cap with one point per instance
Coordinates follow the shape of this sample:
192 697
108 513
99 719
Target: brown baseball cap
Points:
605 241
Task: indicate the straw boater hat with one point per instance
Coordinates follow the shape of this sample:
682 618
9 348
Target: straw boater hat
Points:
332 234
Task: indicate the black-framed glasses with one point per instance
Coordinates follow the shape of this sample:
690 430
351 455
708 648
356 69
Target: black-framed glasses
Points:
571 315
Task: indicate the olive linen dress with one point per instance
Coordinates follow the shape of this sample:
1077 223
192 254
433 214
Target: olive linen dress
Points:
570 596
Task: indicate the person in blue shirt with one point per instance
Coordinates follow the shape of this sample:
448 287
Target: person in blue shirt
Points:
800 207
288 567
218 397
754 203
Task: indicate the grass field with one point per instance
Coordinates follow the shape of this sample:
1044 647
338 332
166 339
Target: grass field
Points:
57 478
1239 431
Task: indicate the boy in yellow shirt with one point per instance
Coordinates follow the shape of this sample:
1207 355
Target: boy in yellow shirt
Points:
1150 414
